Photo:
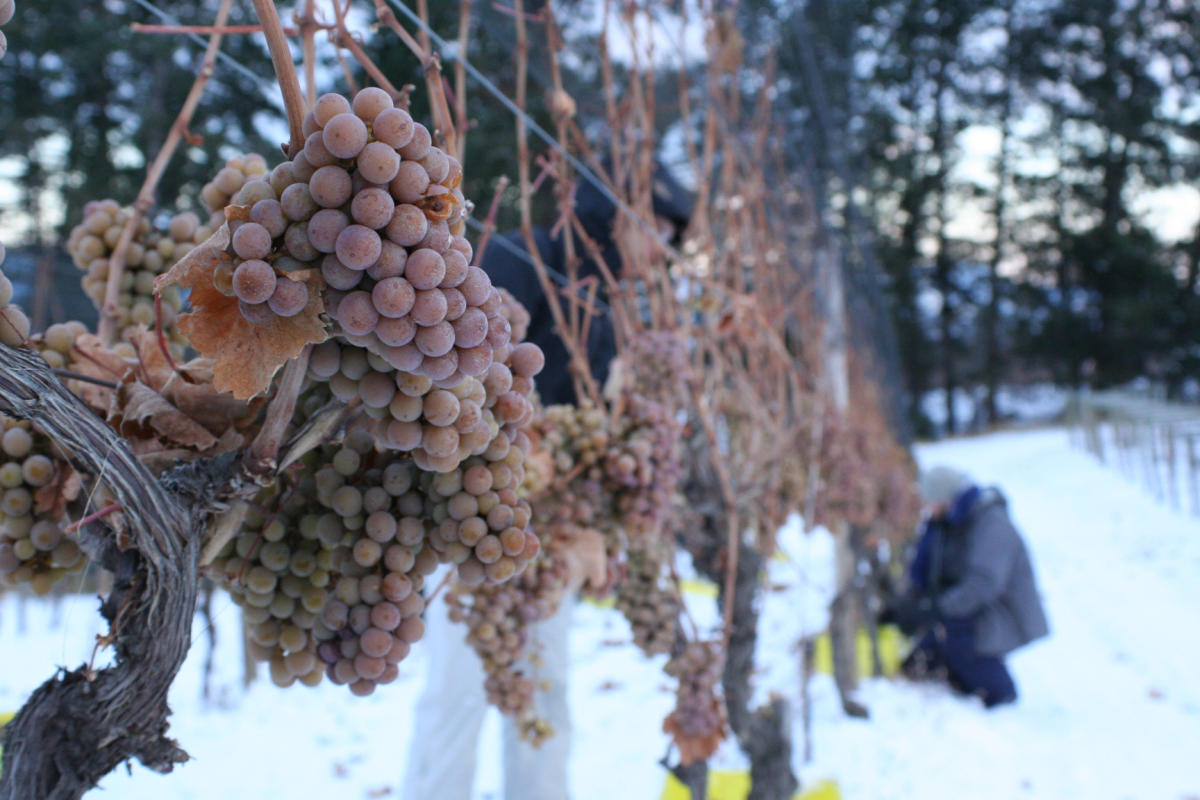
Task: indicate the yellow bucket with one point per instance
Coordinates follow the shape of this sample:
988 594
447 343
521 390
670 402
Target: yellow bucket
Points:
5 718
891 647
698 587
733 785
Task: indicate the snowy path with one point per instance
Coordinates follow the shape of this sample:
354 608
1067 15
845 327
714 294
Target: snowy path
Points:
1109 708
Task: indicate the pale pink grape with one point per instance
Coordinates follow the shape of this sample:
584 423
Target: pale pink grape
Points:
358 247
425 269
289 298
378 162
253 281
407 226
356 314
344 135
329 106
419 145
370 102
330 186
372 207
338 275
409 183
393 127
396 332
251 241
393 297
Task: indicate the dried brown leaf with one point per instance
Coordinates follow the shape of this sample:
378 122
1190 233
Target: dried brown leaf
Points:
143 407
696 745
245 355
93 359
191 390
158 407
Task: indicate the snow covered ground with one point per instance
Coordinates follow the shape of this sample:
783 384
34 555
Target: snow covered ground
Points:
1109 708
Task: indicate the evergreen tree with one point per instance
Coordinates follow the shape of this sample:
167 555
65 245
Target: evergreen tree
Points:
88 102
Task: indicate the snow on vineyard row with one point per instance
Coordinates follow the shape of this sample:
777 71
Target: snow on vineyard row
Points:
1109 708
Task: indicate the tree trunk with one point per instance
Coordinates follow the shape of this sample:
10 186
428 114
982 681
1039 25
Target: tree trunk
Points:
763 733
992 316
943 264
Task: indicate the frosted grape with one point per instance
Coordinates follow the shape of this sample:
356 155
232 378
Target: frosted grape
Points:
370 102
297 202
289 298
344 135
372 207
419 145
358 247
378 163
407 226
436 164
393 297
435 340
324 229
253 281
425 269
329 106
330 186
391 263
410 182
338 275
356 314
251 241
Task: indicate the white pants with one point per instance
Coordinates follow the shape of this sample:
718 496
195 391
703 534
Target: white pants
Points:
441 760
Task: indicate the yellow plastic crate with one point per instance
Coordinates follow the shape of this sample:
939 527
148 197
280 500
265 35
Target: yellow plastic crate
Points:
892 644
733 785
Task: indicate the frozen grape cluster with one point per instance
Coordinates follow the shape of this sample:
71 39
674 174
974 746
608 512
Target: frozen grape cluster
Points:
34 545
151 252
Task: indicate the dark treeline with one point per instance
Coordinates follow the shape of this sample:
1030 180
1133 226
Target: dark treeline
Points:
995 154
984 163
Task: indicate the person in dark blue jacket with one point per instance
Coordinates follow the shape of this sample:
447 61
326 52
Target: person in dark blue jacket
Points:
973 596
509 268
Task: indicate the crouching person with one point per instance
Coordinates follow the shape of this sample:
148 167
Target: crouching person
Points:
973 598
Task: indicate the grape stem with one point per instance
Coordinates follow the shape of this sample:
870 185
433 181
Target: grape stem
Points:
460 78
443 124
285 72
145 196
95 515
441 585
265 446
344 38
580 369
159 335
79 376
308 33
508 10
489 224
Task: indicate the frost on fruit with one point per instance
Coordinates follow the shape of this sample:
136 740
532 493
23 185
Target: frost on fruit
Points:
245 354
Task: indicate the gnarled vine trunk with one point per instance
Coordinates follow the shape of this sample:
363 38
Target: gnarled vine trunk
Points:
81 724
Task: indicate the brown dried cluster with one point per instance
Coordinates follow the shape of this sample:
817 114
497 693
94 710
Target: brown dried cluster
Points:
697 724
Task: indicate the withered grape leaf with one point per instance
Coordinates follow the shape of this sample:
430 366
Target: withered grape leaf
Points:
245 355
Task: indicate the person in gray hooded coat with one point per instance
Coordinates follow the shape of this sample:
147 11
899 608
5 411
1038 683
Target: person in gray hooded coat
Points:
974 598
